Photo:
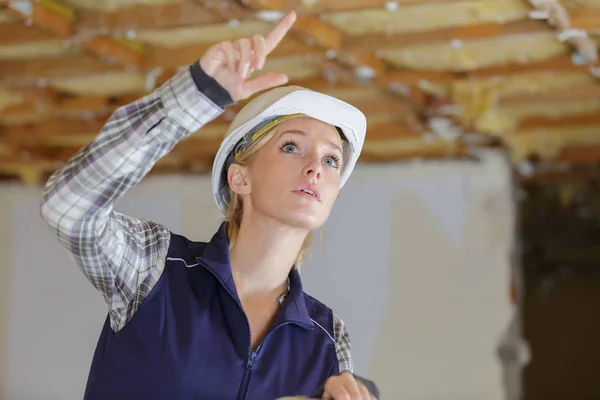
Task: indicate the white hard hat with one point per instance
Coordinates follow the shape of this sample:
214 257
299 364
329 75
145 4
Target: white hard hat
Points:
286 100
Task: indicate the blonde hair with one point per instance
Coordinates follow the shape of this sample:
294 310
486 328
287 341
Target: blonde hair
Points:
234 204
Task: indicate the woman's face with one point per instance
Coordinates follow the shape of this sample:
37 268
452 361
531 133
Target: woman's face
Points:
295 177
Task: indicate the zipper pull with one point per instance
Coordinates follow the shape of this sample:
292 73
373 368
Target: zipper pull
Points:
251 358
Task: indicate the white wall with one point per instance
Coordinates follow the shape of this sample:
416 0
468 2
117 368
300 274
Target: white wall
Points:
423 251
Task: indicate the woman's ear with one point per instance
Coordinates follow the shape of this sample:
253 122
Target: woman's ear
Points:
237 176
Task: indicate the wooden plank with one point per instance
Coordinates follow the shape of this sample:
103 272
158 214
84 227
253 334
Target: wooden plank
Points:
272 5
47 18
59 20
531 123
586 18
358 59
330 6
145 16
167 58
38 95
591 92
14 73
413 77
322 33
471 32
225 10
63 107
16 33
108 47
50 130
576 155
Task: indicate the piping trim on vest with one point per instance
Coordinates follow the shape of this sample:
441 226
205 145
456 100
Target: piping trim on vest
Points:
324 330
194 265
183 261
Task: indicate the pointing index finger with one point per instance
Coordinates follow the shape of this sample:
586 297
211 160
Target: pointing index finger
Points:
278 33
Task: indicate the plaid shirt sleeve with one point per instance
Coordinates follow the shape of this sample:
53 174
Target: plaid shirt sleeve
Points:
123 257
342 345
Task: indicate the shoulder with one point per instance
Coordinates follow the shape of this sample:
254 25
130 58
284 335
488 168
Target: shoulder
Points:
336 329
320 313
180 247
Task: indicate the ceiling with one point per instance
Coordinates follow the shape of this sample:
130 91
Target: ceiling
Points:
436 78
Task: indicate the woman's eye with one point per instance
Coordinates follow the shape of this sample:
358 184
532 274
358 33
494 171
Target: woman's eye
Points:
331 161
289 148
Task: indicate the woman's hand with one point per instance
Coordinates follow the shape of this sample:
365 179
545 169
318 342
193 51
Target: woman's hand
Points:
346 387
230 64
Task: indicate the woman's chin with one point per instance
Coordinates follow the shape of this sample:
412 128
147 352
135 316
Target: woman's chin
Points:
304 220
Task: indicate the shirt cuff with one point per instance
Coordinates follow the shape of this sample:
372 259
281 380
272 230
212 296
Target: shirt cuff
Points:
187 104
210 87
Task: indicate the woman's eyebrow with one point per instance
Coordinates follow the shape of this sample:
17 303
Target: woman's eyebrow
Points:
299 132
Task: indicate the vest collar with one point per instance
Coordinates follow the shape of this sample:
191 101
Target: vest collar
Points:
293 304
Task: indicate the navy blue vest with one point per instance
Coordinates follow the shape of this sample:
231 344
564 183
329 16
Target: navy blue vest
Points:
190 339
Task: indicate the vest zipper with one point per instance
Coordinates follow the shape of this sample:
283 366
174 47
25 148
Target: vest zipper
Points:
251 357
251 354
246 378
243 389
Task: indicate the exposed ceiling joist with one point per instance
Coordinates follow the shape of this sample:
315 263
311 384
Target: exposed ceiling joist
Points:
60 20
444 35
18 33
145 16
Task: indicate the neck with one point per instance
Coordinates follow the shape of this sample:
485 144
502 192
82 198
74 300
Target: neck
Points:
263 255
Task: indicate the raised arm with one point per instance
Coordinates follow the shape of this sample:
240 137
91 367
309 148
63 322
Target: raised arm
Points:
120 255
123 257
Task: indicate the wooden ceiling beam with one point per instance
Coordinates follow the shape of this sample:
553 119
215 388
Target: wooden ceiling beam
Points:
304 8
47 15
38 95
145 16
31 72
323 34
581 92
413 77
50 131
533 123
586 18
422 38
587 154
110 48
16 33
63 107
226 10
60 20
184 55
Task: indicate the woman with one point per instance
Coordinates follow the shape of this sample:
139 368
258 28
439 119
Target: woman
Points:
227 319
